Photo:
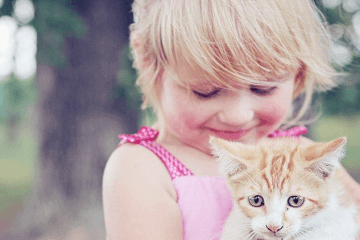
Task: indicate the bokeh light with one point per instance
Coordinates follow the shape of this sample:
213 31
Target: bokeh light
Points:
341 55
8 28
18 45
24 11
25 55
331 3
350 6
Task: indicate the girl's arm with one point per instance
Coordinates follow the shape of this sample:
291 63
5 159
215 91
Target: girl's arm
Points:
138 197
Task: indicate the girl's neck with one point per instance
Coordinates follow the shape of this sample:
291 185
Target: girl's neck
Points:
167 138
200 162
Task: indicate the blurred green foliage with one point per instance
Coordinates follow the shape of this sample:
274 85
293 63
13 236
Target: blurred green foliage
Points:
7 8
55 21
329 128
15 97
126 88
128 92
18 168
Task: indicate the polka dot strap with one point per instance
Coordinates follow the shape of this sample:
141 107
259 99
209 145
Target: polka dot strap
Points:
146 137
144 133
292 132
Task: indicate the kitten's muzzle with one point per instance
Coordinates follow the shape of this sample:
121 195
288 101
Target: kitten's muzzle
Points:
274 229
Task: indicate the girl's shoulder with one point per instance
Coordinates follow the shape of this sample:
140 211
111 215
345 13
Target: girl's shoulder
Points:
133 162
132 156
135 180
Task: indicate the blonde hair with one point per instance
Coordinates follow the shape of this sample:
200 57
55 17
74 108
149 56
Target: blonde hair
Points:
234 41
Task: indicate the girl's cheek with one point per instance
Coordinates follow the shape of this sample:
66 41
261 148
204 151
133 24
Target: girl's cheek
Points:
273 115
275 112
189 118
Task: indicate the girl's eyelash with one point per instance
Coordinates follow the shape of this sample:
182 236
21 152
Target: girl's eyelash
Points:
207 95
262 91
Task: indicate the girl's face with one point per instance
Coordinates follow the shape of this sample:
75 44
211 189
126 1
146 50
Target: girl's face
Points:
246 115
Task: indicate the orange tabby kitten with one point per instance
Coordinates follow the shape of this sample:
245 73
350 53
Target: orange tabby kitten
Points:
286 191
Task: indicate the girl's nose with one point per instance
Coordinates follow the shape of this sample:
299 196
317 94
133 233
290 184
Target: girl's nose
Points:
237 111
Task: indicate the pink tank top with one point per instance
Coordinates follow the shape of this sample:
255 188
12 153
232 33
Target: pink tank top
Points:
204 201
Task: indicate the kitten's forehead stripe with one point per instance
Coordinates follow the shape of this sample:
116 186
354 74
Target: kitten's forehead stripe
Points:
263 159
277 167
291 159
293 152
275 171
267 181
285 179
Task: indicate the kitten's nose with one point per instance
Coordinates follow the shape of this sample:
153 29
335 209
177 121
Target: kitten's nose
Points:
274 229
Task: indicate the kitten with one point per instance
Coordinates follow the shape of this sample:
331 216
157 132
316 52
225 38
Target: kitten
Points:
286 191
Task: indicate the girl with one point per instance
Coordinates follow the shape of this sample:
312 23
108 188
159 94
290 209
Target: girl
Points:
228 68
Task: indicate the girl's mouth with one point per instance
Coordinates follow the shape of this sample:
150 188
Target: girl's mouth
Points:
229 135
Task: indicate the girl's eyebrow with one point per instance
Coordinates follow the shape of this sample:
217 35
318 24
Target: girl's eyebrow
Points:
206 85
283 76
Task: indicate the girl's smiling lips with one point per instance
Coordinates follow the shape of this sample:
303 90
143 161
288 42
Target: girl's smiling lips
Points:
232 135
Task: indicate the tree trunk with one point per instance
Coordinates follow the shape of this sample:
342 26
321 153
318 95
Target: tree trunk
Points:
78 124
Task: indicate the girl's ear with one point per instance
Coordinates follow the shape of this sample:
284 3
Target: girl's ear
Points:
135 40
232 156
138 50
299 81
324 158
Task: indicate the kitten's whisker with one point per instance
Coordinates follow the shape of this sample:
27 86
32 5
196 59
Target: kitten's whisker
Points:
302 233
237 228
245 228
245 224
255 236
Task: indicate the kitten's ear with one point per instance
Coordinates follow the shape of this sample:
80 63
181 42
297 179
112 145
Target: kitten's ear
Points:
232 156
324 158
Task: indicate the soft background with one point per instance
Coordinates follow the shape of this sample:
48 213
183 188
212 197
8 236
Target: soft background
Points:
67 89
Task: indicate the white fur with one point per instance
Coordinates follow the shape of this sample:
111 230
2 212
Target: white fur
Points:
332 223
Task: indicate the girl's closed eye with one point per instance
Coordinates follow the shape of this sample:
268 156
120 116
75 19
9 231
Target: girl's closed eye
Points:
262 91
207 95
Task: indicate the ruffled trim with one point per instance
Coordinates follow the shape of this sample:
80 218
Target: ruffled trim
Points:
146 137
144 133
292 132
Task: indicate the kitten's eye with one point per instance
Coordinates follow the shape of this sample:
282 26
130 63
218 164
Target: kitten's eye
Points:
207 95
262 90
296 201
256 201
